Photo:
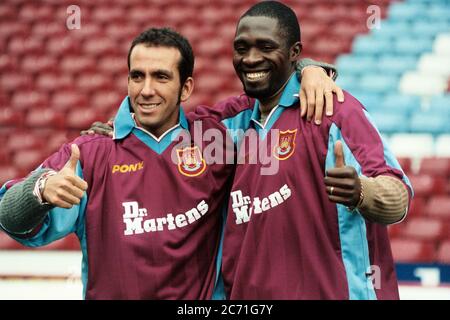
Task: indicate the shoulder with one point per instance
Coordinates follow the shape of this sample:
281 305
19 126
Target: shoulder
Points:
349 109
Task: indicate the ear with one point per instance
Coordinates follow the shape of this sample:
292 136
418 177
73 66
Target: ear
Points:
187 89
295 51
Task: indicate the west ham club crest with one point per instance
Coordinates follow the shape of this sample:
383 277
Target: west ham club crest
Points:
190 161
286 144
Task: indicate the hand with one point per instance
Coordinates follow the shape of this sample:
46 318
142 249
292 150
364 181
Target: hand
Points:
342 182
98 127
316 85
65 188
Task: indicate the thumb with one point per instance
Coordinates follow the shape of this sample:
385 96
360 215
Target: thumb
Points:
339 154
74 157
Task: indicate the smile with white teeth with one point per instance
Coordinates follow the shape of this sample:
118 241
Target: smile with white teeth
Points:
256 75
149 106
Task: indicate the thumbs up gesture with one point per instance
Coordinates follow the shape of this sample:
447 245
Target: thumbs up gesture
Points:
65 188
342 182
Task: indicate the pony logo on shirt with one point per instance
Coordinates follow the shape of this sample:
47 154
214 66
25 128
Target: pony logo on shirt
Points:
286 144
190 161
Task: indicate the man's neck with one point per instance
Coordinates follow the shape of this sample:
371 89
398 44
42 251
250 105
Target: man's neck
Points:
266 105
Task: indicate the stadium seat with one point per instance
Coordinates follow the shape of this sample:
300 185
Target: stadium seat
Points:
412 251
425 185
428 229
389 122
396 64
92 82
45 118
442 44
77 64
10 82
433 64
443 252
397 101
99 47
405 163
379 83
439 207
417 207
59 46
22 46
63 100
416 83
408 145
10 117
355 64
36 64
435 166
49 28
24 140
28 100
443 145
28 160
8 63
7 173
366 44
104 101
83 118
429 123
52 82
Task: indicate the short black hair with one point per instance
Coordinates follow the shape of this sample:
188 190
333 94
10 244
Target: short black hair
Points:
166 37
286 17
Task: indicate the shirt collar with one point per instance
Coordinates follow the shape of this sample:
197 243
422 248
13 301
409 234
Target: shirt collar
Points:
289 97
124 122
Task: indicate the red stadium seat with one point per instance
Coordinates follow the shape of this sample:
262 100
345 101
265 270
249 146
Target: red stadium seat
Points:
100 46
62 45
24 140
77 64
108 13
10 28
45 118
28 160
428 229
115 66
425 185
11 82
68 99
416 251
405 163
417 208
443 253
122 32
146 15
28 100
7 173
8 63
31 12
435 166
89 29
11 118
92 82
35 64
56 141
439 207
50 28
53 82
104 101
82 119
22 45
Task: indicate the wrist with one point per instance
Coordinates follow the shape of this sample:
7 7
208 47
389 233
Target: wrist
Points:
312 66
40 186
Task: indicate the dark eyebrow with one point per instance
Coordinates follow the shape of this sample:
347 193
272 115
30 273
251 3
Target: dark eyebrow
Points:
135 72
